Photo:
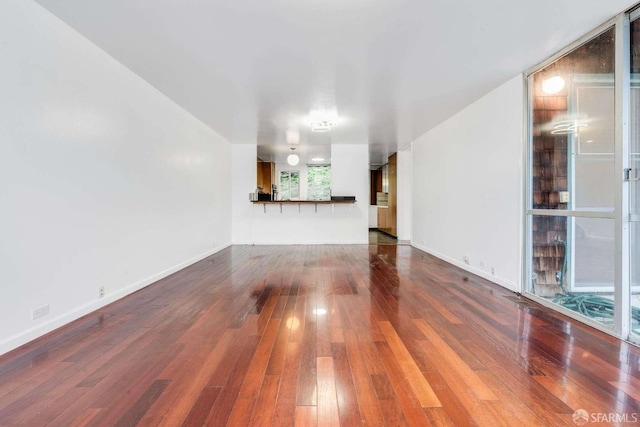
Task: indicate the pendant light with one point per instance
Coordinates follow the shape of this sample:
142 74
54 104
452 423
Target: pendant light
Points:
293 158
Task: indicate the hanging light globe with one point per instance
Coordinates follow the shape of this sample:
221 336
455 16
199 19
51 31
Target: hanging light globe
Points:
293 158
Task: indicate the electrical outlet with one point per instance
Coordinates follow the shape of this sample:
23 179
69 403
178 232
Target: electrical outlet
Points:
563 196
493 271
40 312
466 259
101 292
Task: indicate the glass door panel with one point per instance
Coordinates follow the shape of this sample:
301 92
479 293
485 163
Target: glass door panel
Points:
592 166
634 187
571 225
634 212
593 244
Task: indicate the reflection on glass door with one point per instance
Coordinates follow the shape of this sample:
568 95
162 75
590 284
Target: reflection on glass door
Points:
591 172
571 213
583 213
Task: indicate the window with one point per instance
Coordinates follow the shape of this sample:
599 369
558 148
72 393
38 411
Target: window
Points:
289 185
319 182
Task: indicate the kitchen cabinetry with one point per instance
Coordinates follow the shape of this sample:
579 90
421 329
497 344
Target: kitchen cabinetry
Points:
266 173
387 216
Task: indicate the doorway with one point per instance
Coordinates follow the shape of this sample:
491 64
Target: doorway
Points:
384 198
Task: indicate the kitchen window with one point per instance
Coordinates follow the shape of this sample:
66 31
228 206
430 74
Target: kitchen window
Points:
289 185
319 182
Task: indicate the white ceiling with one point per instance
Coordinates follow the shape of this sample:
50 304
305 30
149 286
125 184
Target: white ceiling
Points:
392 69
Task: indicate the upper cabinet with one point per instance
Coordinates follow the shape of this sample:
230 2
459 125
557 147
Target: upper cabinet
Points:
266 175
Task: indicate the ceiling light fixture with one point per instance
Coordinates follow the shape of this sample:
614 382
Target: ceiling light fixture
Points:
293 158
552 85
569 127
318 159
322 126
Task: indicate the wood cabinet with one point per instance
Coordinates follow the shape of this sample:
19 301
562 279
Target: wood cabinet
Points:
393 195
383 219
388 217
266 173
376 185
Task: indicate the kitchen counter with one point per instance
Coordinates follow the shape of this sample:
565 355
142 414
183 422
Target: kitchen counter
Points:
301 202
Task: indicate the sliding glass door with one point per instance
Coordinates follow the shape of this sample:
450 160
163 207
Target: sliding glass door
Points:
583 192
572 208
632 177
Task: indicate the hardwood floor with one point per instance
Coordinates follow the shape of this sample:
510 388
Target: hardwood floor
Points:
321 335
377 237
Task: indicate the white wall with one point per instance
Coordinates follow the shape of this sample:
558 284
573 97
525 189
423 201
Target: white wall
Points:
244 178
329 225
105 181
467 185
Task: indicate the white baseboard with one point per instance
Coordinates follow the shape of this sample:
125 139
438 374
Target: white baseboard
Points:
478 272
22 338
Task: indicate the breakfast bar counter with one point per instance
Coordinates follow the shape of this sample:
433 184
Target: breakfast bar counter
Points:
301 202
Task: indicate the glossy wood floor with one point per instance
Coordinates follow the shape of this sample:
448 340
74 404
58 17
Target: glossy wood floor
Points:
377 237
320 335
